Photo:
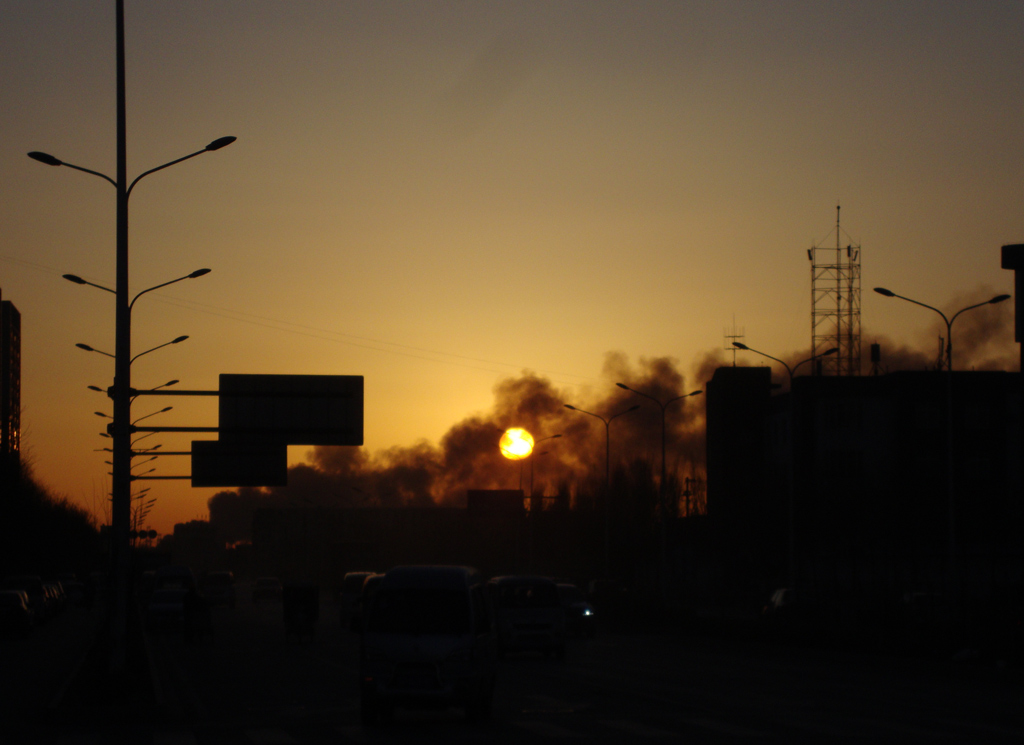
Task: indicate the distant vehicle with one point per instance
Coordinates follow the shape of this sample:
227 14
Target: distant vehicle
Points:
580 618
73 588
33 586
348 595
173 577
428 642
365 595
530 615
16 617
219 588
166 608
266 588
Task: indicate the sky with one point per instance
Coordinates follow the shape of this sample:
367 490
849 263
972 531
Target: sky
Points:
461 200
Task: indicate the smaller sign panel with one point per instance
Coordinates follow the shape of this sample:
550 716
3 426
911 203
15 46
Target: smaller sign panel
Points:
218 463
292 409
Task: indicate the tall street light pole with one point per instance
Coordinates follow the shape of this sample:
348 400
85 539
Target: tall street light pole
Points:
663 405
791 371
952 578
122 477
607 478
662 484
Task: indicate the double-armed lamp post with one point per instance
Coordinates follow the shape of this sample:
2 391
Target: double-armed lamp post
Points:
952 572
121 391
607 478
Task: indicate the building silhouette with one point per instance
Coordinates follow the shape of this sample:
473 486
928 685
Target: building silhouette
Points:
871 495
10 391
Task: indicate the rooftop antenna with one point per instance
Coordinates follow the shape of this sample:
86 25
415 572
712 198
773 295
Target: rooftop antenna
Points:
732 335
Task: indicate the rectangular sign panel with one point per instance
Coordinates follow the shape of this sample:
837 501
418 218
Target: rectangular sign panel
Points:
292 409
217 463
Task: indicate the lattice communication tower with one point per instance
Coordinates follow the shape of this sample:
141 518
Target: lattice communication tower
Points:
835 304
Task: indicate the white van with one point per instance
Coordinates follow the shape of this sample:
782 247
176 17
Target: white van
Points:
428 642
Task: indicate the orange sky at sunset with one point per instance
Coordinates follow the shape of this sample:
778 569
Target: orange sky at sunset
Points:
440 196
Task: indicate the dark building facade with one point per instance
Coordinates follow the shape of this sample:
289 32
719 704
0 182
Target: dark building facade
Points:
876 512
10 389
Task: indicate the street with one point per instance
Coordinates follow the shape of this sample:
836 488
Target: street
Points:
251 684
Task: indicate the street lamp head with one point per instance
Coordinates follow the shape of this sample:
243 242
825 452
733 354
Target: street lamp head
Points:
623 386
740 345
86 347
74 278
570 406
215 145
45 158
998 299
199 273
883 291
95 388
634 407
179 340
827 352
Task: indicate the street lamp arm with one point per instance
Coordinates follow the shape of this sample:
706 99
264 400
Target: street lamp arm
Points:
193 275
890 293
161 346
745 348
685 395
625 387
215 145
51 161
79 281
621 413
993 301
87 348
161 168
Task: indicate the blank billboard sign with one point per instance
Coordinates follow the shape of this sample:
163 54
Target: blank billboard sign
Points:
292 409
217 463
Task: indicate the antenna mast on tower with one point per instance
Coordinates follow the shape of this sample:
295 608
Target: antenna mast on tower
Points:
835 304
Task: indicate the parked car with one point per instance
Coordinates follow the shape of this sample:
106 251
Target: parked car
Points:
219 588
580 618
428 641
348 595
174 576
166 608
530 615
16 617
266 588
362 602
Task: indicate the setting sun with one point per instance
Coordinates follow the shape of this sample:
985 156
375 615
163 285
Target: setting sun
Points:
516 444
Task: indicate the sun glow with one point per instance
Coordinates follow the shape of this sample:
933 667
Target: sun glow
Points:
516 444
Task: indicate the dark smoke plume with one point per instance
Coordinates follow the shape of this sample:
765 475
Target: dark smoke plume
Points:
468 456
